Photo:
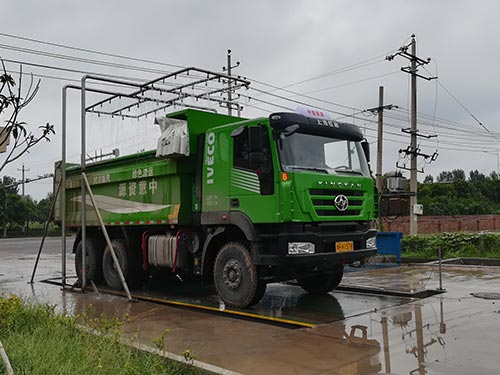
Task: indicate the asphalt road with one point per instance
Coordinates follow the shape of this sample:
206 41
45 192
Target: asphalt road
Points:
29 246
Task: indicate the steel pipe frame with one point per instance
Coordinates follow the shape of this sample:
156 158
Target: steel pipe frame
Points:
148 85
63 177
84 109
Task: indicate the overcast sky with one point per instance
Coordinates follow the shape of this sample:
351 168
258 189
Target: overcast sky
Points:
278 43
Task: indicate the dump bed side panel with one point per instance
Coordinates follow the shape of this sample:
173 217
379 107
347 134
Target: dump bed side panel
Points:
134 191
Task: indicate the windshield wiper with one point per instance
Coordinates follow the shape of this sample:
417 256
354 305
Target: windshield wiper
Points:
323 170
344 169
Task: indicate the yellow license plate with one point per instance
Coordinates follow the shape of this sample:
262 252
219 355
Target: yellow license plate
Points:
344 246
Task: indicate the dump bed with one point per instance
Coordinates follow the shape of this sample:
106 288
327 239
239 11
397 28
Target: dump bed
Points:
141 189
134 190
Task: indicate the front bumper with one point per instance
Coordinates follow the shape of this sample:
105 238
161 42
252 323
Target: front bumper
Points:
328 259
274 250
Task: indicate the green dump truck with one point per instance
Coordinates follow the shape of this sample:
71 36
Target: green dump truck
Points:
235 202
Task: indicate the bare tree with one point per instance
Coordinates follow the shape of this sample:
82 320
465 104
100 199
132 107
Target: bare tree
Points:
13 131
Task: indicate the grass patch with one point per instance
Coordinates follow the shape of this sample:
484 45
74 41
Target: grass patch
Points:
39 341
453 245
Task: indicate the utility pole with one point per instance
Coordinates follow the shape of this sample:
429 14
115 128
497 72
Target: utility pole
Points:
229 96
380 138
498 163
413 141
380 133
228 68
413 149
23 179
5 213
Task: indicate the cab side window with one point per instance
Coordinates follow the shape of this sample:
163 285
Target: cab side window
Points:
252 152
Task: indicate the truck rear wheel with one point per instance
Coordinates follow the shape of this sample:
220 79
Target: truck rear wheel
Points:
93 260
322 284
108 265
235 276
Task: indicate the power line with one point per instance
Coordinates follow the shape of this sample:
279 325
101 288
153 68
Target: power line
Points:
81 59
469 112
84 60
351 83
90 51
359 65
69 70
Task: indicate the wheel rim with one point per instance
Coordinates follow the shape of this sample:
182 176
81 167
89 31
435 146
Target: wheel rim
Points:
87 264
232 274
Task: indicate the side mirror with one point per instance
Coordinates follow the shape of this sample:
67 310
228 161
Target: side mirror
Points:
366 149
238 131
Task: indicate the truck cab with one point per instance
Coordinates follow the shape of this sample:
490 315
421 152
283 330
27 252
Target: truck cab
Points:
296 190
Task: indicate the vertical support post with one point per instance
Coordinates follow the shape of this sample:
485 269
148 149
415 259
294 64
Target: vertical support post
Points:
5 360
106 237
83 190
5 208
498 162
62 192
413 143
380 141
385 337
442 324
380 134
22 179
440 256
419 327
45 231
229 94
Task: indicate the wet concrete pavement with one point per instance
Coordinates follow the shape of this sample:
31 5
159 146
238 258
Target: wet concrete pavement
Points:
354 333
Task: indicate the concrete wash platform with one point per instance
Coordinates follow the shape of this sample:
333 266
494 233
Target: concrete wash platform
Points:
353 333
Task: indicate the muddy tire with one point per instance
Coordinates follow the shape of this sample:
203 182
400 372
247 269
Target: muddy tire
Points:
130 259
93 260
259 293
322 284
235 276
108 266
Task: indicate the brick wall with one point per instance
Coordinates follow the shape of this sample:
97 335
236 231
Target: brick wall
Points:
438 224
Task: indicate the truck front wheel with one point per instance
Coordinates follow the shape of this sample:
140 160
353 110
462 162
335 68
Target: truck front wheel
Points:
235 276
322 284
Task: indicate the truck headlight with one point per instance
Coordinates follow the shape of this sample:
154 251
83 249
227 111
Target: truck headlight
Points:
371 243
295 248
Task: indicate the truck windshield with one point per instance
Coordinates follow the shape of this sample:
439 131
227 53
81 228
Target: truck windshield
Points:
308 152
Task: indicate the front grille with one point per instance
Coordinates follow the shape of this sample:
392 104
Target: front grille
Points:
336 212
335 192
324 205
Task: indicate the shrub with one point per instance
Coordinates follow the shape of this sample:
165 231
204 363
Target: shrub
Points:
453 245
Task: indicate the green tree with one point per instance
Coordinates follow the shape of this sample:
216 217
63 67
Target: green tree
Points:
454 195
428 179
42 210
450 176
14 132
18 211
476 176
7 187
